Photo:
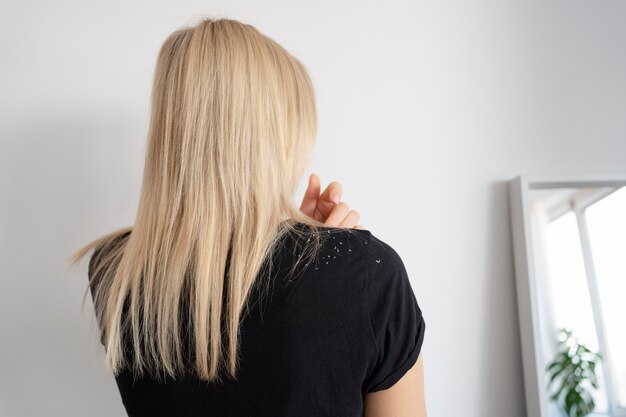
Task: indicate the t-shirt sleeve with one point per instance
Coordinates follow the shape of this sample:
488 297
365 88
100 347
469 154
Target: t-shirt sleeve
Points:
395 317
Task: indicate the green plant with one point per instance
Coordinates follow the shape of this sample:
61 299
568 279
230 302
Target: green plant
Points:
573 373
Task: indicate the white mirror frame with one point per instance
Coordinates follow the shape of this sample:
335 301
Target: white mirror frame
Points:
525 276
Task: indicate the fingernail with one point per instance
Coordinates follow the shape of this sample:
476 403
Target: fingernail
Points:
334 198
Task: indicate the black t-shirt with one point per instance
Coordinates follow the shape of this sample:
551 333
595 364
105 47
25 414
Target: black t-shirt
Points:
313 346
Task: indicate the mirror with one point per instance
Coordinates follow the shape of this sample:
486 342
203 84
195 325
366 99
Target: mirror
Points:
569 240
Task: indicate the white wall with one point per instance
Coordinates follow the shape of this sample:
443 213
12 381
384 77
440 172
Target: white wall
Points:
426 110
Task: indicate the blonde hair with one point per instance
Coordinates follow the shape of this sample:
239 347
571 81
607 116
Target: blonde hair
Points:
233 121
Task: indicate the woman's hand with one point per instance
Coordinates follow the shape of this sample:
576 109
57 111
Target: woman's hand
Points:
327 207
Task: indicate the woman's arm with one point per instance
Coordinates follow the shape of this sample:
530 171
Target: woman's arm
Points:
404 399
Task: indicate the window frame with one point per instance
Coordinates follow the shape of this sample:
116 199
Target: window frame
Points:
579 210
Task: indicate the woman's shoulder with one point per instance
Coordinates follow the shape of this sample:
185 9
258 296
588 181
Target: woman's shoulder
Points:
335 247
342 249
368 245
361 246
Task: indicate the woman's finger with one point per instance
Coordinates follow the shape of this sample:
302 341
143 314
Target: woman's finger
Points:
311 195
332 193
336 216
323 210
351 220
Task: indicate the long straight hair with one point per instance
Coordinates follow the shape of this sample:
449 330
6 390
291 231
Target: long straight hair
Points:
233 122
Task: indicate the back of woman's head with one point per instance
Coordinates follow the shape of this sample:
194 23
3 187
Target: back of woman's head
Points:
233 122
231 105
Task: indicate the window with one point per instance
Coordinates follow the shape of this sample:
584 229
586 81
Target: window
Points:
606 224
569 290
586 265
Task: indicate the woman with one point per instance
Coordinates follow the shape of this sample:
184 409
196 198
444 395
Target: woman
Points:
224 298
